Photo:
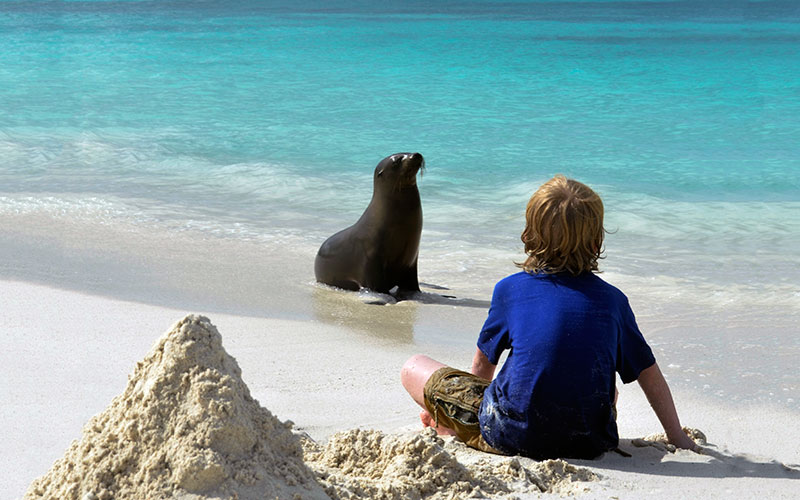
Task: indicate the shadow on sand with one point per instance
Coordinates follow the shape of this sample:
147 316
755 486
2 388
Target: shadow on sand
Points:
447 300
710 463
428 297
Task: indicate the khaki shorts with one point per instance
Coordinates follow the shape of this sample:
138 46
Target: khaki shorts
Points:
453 397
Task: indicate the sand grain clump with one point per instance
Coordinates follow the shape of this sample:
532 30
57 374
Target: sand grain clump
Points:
370 464
185 427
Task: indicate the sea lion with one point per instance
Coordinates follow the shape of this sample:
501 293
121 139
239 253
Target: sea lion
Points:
380 250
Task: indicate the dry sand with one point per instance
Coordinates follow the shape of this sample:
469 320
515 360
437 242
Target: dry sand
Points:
201 434
187 427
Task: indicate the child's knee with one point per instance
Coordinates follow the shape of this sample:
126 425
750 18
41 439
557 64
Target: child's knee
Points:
408 369
415 373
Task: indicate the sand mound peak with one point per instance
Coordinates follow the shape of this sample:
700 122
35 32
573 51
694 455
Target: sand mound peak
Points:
185 426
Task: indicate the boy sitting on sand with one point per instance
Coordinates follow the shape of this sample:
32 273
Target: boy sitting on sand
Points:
568 332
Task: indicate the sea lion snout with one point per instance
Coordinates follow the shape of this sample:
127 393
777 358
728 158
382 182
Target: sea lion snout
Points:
413 157
407 165
399 170
415 161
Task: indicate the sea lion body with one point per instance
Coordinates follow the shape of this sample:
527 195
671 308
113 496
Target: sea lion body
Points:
380 250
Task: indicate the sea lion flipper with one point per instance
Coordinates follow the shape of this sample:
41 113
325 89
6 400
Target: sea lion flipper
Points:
408 279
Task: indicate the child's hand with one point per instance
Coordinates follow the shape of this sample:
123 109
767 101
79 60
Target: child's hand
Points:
681 440
688 439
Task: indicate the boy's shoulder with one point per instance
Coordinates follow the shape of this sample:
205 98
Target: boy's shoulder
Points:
584 281
513 280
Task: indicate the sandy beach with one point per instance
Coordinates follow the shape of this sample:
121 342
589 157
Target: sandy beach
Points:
66 355
169 170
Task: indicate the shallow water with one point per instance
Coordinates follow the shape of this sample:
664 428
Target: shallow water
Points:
244 125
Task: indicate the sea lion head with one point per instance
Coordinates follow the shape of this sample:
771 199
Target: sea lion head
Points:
399 170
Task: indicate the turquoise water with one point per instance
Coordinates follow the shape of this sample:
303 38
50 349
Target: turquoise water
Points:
671 99
262 121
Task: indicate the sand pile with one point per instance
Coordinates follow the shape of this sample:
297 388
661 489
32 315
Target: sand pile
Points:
370 464
185 427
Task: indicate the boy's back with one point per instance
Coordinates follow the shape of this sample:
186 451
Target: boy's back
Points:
568 333
567 336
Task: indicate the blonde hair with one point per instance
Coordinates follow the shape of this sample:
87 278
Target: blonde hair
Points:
564 228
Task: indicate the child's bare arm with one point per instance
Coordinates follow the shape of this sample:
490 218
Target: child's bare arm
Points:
658 394
481 365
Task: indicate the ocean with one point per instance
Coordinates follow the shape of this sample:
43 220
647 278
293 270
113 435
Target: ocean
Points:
257 124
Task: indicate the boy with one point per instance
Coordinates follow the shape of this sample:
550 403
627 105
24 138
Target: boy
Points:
568 332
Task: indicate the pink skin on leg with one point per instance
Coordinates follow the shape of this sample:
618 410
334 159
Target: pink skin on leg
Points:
414 374
428 421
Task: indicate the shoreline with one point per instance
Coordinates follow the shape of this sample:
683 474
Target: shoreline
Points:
722 342
67 354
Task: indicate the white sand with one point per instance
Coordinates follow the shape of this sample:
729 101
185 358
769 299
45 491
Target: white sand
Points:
186 424
64 356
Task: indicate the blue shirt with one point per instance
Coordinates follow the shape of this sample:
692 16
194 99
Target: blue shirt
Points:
567 336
